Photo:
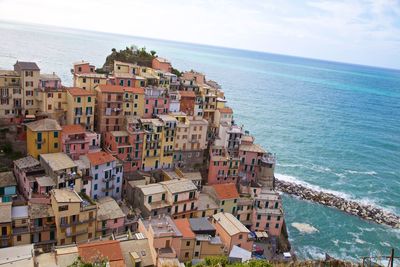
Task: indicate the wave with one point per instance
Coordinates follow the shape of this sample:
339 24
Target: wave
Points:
292 179
367 201
305 228
361 172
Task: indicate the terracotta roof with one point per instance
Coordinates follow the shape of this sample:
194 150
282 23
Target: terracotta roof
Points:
73 129
135 90
109 250
184 227
44 125
226 191
109 88
75 91
101 157
226 110
187 94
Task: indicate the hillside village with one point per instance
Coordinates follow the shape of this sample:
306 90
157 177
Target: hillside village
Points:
136 166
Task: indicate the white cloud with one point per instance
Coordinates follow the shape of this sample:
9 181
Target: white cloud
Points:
365 32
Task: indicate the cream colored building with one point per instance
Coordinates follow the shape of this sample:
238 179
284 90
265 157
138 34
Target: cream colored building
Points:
30 76
11 101
190 141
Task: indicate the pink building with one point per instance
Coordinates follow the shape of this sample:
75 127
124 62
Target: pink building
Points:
222 168
250 155
110 217
268 213
126 145
77 141
27 170
51 81
156 102
231 231
83 67
160 63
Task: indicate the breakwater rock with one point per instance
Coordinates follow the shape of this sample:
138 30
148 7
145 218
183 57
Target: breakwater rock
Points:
367 212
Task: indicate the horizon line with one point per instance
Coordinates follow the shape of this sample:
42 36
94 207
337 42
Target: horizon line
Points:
198 44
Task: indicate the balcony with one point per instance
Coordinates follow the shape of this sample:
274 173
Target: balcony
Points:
35 228
4 237
167 252
194 141
20 230
75 233
41 141
105 180
106 189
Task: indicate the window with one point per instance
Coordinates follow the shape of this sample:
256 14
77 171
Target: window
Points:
175 198
196 254
163 197
96 167
78 99
267 225
240 236
258 217
149 199
223 202
96 176
279 218
56 145
187 243
89 99
95 187
269 217
63 208
277 225
197 243
117 190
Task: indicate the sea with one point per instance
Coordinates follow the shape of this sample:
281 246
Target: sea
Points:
333 126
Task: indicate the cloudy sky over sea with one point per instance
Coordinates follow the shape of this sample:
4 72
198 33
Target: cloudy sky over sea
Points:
355 31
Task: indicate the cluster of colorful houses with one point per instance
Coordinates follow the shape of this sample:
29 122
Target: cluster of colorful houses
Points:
138 166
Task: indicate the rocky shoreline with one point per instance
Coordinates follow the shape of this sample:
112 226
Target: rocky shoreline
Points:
366 212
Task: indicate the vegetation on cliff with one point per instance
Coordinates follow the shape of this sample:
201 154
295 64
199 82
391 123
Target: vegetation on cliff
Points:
133 55
130 54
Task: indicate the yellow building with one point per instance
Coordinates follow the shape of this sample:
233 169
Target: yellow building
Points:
133 101
158 143
20 225
42 137
81 104
5 224
89 81
75 216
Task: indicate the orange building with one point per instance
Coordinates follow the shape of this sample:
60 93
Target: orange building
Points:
97 252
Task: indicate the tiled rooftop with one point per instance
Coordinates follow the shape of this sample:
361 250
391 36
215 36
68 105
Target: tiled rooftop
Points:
108 209
44 125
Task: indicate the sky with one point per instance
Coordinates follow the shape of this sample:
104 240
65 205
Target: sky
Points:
355 31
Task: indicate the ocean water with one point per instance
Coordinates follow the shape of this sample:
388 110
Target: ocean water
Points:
333 126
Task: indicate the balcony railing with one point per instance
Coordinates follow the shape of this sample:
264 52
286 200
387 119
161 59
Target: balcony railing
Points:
109 178
41 141
105 189
20 230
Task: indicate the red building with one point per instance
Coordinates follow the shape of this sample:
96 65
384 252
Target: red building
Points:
126 145
187 102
